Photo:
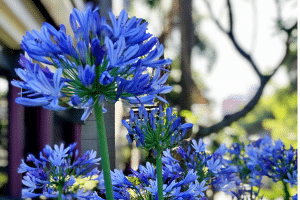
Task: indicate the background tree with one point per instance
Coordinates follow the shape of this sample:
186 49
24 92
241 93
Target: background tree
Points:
180 15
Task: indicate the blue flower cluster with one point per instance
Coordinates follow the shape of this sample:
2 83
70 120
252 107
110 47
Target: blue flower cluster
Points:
103 63
57 169
212 168
155 129
187 177
264 157
176 183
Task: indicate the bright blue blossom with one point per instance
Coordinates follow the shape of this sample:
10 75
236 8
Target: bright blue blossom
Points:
263 157
214 165
115 62
155 129
118 178
55 168
199 188
42 88
211 169
199 147
86 75
295 197
269 158
292 179
175 184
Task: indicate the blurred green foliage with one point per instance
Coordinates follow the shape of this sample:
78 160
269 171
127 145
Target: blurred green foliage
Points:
273 190
275 115
283 125
3 179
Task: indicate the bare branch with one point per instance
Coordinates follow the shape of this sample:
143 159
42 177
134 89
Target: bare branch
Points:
287 48
213 17
228 119
232 37
230 17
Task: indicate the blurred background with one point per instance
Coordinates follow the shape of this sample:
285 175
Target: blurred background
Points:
234 75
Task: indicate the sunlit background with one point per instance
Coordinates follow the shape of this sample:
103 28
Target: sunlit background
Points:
224 81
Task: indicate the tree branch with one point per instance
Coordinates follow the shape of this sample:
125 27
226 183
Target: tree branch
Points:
228 119
230 17
232 37
287 45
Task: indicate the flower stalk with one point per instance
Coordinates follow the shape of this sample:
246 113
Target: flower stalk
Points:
60 191
159 175
286 191
103 149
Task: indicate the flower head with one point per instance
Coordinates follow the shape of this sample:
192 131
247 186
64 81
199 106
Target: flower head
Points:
212 169
263 157
176 184
155 129
105 62
58 167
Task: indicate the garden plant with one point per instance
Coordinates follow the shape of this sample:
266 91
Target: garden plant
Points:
123 61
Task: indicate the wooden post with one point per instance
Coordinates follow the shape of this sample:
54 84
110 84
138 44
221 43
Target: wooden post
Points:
15 143
76 130
44 128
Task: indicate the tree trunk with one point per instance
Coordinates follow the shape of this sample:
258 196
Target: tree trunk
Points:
187 42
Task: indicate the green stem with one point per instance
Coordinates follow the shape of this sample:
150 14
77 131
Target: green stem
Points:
60 189
159 174
286 191
103 149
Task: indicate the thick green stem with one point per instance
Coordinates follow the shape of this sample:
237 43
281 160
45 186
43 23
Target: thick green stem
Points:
103 149
286 191
60 190
159 175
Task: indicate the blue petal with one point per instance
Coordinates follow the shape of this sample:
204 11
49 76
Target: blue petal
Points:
97 51
32 102
162 99
54 105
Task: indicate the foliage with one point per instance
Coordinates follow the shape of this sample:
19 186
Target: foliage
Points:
283 125
3 179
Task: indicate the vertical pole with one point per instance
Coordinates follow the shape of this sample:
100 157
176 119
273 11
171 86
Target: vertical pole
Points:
76 130
187 42
15 143
44 127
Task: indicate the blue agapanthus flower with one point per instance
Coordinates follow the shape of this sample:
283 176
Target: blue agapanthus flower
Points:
176 184
263 157
58 169
295 197
103 63
212 169
156 129
270 158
